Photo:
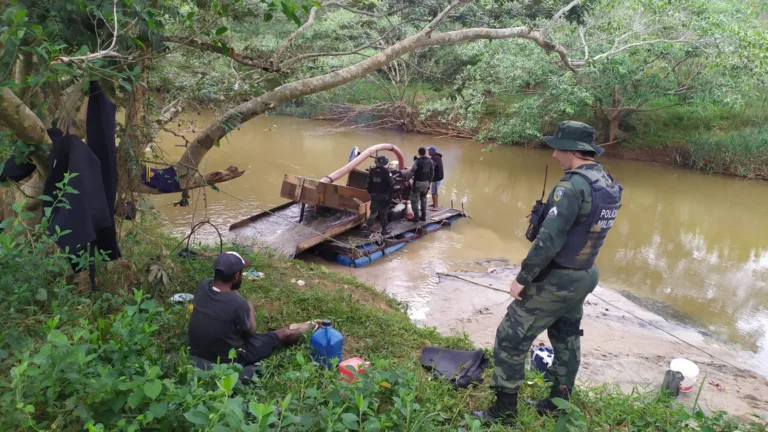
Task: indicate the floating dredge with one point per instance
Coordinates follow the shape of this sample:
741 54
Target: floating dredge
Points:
327 216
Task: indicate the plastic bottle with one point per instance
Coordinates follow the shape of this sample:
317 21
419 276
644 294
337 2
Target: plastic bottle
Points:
326 344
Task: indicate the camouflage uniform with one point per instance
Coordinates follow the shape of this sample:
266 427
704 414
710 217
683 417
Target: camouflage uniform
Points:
553 298
423 171
557 275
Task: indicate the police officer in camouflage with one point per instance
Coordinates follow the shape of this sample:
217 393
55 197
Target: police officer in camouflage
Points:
423 171
557 274
380 185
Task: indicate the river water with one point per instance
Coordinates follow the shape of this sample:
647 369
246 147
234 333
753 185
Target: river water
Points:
686 244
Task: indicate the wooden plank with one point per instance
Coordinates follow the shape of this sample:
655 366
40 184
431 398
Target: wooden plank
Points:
299 187
332 232
447 215
313 192
257 216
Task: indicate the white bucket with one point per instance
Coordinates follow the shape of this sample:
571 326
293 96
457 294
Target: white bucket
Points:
689 370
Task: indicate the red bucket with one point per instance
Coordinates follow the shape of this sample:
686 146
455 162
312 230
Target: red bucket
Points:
351 367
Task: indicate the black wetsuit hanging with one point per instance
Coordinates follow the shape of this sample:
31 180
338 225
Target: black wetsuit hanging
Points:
89 216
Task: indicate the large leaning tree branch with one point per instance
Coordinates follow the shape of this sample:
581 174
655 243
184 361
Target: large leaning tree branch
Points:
216 130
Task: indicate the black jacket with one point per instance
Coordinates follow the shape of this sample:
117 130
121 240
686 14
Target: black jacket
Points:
380 183
437 161
89 215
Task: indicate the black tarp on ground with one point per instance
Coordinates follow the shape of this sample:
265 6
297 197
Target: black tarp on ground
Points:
460 368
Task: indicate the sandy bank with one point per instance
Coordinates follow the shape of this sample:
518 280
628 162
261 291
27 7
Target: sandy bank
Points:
617 348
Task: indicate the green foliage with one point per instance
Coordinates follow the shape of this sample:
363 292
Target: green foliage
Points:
740 152
18 254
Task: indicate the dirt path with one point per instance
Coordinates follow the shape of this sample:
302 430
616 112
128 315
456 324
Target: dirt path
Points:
617 348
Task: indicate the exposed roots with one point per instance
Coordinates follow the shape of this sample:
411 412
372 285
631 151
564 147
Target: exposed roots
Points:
387 115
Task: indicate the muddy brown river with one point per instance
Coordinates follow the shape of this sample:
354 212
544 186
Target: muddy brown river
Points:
690 246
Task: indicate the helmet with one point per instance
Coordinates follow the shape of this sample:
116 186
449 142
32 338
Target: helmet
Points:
381 161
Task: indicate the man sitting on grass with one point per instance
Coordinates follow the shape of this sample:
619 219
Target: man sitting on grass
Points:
222 319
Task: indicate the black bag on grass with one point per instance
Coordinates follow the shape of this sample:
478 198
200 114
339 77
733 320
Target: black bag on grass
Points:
460 368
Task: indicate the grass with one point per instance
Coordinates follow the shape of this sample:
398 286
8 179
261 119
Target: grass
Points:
128 334
743 153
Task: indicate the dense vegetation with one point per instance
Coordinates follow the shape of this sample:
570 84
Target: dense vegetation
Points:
116 359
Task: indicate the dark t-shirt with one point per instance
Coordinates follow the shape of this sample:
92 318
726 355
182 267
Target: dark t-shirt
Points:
220 321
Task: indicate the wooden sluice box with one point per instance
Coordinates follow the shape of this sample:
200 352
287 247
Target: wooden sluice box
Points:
328 216
316 213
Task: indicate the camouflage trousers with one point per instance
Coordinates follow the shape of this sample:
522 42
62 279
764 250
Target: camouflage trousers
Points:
555 304
419 196
380 208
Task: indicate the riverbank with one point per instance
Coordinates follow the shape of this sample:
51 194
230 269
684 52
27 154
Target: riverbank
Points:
623 344
711 139
76 361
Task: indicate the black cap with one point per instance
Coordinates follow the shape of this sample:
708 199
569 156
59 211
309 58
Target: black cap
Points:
326 322
230 263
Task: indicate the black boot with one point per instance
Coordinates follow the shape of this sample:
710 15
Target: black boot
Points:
423 217
503 411
547 407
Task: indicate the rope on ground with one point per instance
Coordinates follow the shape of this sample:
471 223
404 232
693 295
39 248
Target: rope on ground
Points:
622 310
672 335
474 283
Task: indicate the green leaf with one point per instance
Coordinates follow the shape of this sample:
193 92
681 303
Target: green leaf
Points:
19 15
289 419
158 409
126 84
153 388
42 294
561 403
230 381
268 17
58 338
135 398
350 421
117 403
371 425
221 30
197 417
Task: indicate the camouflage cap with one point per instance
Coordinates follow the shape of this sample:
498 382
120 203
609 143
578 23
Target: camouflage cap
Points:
574 136
381 161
